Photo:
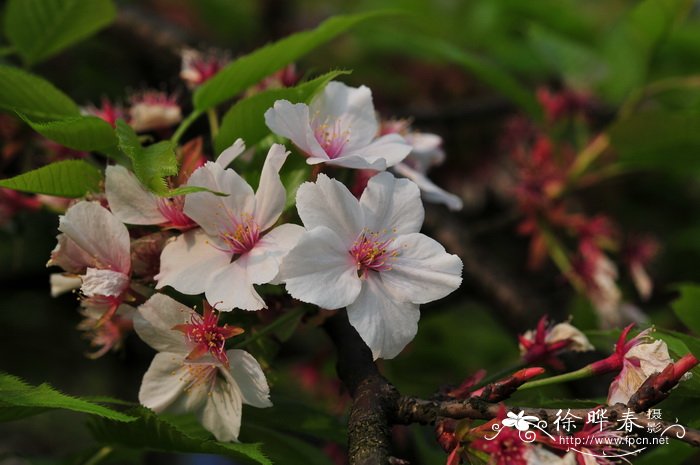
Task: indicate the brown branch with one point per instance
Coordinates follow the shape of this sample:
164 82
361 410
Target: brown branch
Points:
374 398
413 410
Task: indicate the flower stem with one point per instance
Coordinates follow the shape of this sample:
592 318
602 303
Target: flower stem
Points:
563 378
99 456
289 316
186 123
213 122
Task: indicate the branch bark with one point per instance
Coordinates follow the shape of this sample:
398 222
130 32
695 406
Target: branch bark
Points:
374 398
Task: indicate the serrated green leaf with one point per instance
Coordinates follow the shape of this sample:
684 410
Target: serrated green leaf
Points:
687 306
33 96
68 178
251 68
87 133
167 434
245 119
19 399
39 29
151 164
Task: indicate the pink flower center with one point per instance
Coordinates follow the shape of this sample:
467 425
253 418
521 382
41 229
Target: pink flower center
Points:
207 336
372 251
242 237
331 137
172 209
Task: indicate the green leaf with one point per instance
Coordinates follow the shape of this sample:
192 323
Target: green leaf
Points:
41 28
68 178
659 139
285 448
19 399
577 63
246 120
486 71
80 132
170 434
251 68
628 50
33 96
151 164
687 306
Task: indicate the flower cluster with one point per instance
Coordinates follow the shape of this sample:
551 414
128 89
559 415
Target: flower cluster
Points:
222 239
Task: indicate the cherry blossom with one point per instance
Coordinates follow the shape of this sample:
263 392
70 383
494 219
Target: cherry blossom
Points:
368 256
426 152
338 128
546 341
152 110
211 383
94 245
198 67
132 203
235 247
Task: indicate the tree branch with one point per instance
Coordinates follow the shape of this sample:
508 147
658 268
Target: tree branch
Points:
374 398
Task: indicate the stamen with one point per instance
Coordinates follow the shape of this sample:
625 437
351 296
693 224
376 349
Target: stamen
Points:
330 136
242 236
372 251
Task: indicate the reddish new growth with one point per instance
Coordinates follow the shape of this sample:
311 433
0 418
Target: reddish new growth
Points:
562 104
538 349
207 336
507 448
615 361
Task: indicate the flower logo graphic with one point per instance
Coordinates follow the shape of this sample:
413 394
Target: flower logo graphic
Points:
519 421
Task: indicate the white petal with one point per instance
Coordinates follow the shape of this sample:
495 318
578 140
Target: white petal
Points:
188 262
69 256
271 196
216 213
62 283
319 270
99 233
250 378
653 357
422 271
392 204
352 106
231 287
429 191
222 412
163 386
129 201
155 320
292 121
265 258
379 155
384 322
426 149
227 156
329 203
104 282
561 331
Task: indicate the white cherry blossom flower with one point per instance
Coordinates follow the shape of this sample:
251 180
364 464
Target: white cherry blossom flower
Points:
426 152
132 203
95 246
645 357
339 128
152 110
213 384
368 256
235 247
